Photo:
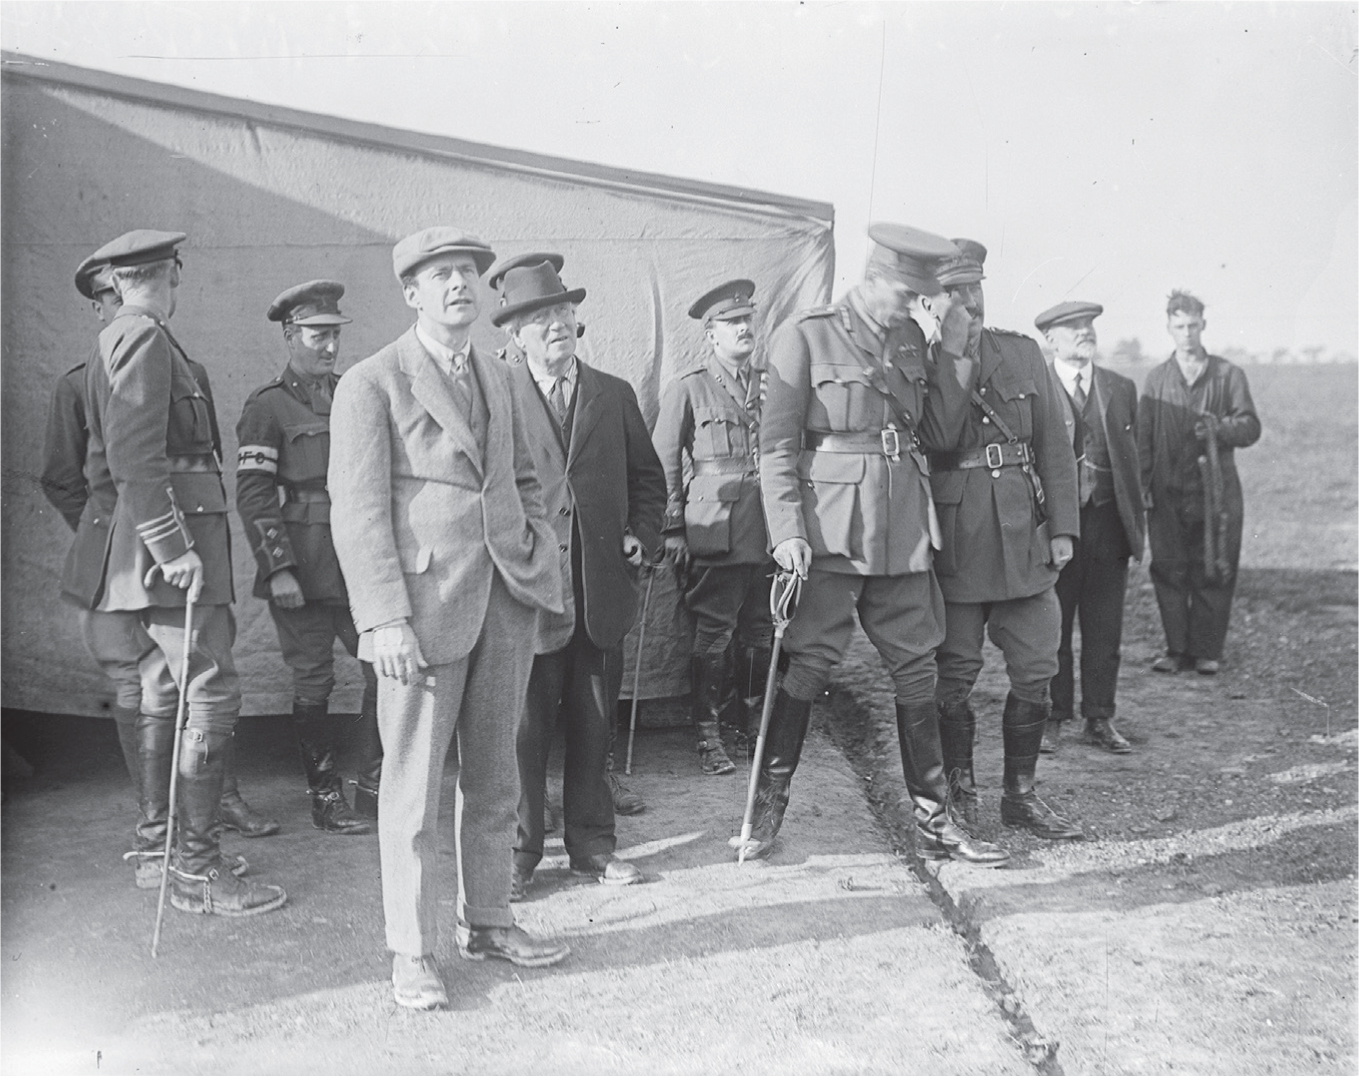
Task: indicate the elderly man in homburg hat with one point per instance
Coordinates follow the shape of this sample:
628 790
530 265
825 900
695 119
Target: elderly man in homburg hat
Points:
605 494
284 438
1101 420
714 523
153 531
437 518
855 399
1008 511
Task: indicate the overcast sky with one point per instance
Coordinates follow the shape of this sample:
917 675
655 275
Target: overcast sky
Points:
1101 151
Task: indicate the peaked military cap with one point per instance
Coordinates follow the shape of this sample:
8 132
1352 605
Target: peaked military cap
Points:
910 254
519 261
1071 310
964 265
413 251
140 247
316 302
532 287
728 301
92 276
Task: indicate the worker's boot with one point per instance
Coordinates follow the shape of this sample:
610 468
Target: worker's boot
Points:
1022 728
234 812
369 749
201 882
330 812
709 682
957 733
788 722
938 835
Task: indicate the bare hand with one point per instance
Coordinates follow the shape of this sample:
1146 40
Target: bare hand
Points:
396 653
677 552
285 591
185 572
1062 549
955 324
1205 426
632 550
794 555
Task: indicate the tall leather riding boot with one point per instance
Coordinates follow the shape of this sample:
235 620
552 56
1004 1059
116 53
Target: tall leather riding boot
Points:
234 812
202 884
368 746
155 742
957 733
922 766
752 674
316 744
125 721
788 723
1022 729
709 681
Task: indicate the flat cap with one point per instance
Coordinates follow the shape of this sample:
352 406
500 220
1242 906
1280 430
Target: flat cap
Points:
964 265
316 302
92 276
726 302
413 251
139 247
1071 310
910 254
520 261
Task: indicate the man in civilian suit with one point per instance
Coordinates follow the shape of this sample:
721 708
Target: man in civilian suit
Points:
439 527
1101 419
605 494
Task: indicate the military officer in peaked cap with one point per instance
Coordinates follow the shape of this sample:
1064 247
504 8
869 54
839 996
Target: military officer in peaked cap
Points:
153 531
1101 420
855 399
1008 513
284 438
714 523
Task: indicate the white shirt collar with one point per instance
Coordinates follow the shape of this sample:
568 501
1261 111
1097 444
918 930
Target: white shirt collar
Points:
545 381
1066 373
448 359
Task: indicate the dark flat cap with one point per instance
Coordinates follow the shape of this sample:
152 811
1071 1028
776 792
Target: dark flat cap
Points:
413 251
964 266
1071 310
519 261
911 254
316 302
93 276
139 248
532 287
734 299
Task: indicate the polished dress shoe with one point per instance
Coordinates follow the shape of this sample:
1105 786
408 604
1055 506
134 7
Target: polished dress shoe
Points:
235 813
1025 810
416 983
606 869
1100 732
1168 663
625 801
509 943
520 880
1207 667
945 839
1052 738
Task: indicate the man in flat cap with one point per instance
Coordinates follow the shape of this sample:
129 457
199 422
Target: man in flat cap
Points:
1196 411
604 491
714 523
1008 512
854 400
438 522
1101 419
154 531
284 438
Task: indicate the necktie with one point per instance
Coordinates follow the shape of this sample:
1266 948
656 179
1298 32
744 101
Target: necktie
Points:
557 398
1079 395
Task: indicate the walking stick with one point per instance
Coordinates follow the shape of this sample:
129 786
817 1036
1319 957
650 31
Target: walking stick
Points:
1220 568
637 665
783 597
180 721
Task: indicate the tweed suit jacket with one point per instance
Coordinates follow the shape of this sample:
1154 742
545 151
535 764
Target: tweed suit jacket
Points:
1116 399
422 515
607 482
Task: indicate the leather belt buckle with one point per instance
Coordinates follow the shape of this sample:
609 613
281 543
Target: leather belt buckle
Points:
995 455
891 444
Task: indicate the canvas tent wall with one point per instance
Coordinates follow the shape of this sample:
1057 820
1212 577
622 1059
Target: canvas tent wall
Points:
270 197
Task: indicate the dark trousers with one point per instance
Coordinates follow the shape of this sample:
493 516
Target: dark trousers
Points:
727 600
577 686
1194 611
1092 586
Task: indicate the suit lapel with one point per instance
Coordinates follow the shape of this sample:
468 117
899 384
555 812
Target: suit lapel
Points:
990 357
539 420
589 409
431 390
1099 382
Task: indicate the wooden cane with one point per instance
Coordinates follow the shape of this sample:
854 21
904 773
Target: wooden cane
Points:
637 666
181 719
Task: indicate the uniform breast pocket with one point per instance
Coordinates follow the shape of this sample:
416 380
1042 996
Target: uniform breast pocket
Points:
189 430
707 513
717 434
306 450
846 396
1014 403
831 506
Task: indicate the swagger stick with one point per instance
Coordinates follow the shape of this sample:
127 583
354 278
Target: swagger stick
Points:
181 717
637 665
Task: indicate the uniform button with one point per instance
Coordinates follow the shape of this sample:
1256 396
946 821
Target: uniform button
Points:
986 421
983 390
199 508
564 512
561 549
995 474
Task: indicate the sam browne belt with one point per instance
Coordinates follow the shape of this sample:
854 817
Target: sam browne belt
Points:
992 456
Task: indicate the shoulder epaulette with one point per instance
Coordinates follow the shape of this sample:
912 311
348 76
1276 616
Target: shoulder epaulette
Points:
694 370
816 312
1010 332
74 369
